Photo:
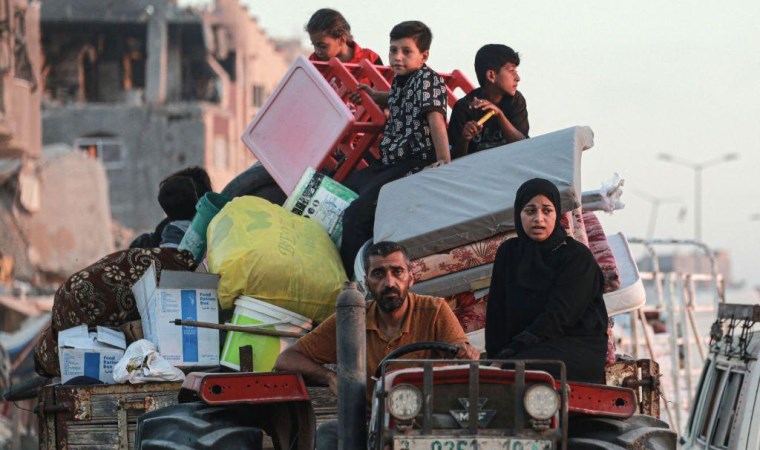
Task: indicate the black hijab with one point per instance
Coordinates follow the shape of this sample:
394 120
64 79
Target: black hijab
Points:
533 270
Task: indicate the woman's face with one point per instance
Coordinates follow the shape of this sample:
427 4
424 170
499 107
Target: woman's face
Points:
326 46
538 217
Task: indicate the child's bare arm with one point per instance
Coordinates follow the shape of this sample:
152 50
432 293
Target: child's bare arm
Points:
440 138
469 131
380 97
510 132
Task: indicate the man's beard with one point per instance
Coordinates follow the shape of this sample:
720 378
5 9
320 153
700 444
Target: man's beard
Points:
389 303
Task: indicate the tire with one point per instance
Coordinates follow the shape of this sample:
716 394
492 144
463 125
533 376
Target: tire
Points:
191 426
636 432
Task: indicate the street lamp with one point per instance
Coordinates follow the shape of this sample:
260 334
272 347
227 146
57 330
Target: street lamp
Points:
655 202
697 168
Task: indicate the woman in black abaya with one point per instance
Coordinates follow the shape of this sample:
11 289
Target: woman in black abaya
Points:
545 300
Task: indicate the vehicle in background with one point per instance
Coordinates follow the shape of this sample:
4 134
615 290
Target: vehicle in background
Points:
725 413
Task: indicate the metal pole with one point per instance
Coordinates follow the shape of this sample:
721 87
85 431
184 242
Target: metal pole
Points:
698 203
692 321
685 340
250 329
674 360
652 218
350 314
634 335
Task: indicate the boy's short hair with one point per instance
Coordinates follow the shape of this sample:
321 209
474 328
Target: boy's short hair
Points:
385 248
177 196
201 180
493 57
417 31
330 22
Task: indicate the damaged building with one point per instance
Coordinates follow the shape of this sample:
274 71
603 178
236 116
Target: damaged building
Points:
20 134
148 87
41 241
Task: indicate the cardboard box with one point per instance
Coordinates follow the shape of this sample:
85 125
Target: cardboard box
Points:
180 295
92 354
322 199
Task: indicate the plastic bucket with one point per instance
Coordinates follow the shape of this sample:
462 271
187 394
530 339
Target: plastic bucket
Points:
194 239
250 311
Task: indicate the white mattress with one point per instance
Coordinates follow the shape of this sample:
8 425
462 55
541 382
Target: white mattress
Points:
631 294
471 198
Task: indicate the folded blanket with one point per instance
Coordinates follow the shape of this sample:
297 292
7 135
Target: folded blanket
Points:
101 294
600 248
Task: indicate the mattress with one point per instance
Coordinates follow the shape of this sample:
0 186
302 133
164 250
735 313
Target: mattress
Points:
471 198
470 309
631 294
478 340
461 258
454 283
482 252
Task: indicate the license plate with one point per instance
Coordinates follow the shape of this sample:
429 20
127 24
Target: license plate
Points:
480 443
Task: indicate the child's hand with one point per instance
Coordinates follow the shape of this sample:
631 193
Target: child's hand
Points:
356 98
438 163
470 130
485 106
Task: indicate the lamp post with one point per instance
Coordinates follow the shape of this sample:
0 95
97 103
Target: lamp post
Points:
698 168
655 202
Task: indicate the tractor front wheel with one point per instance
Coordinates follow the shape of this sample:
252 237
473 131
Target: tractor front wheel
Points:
636 432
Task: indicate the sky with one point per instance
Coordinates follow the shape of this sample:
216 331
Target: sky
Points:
649 77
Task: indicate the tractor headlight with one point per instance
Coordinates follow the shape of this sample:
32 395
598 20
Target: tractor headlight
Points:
541 401
404 401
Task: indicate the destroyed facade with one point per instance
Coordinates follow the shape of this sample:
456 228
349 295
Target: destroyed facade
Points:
148 88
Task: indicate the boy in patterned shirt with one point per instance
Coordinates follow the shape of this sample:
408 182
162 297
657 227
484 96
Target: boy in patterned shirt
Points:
414 136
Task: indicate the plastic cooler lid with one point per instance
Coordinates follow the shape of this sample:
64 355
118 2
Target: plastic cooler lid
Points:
298 126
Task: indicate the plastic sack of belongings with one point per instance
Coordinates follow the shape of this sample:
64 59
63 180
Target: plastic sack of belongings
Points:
263 251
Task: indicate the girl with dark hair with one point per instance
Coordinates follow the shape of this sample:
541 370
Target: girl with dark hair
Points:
331 37
545 300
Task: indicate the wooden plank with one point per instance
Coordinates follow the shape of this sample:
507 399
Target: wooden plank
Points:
93 423
83 433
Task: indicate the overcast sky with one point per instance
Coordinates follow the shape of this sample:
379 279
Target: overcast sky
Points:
649 77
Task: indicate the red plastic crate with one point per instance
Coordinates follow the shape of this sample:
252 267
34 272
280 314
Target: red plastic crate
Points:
363 136
309 120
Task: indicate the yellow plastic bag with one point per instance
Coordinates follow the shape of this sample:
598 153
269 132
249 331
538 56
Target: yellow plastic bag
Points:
263 251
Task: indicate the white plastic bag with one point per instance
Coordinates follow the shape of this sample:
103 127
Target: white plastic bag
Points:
606 198
141 363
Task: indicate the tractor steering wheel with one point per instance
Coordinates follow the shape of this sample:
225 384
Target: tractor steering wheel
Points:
417 347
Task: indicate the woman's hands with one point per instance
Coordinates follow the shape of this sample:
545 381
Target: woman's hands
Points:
518 344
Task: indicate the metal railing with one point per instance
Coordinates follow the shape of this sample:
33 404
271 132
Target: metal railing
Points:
676 296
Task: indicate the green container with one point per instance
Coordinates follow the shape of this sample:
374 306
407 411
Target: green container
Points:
195 237
253 312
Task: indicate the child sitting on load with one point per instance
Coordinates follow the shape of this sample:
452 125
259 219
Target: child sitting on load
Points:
330 36
495 113
414 136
